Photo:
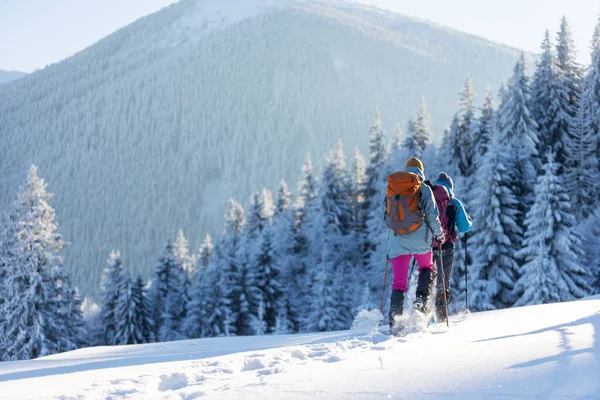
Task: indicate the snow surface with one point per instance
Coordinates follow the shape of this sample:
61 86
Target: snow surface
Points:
546 352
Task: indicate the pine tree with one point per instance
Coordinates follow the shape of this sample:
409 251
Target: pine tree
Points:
217 318
569 71
307 192
589 230
125 313
39 297
398 154
519 130
110 296
485 125
323 305
284 198
410 142
196 323
463 128
265 280
496 236
168 295
552 271
335 193
306 189
581 175
73 334
186 265
284 233
205 253
143 312
546 106
377 159
422 132
590 104
234 262
284 325
373 249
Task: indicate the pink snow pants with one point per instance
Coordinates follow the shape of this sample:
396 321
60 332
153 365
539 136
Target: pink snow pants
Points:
400 268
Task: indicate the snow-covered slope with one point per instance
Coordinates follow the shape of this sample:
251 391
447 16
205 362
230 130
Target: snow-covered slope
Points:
155 127
544 352
7 76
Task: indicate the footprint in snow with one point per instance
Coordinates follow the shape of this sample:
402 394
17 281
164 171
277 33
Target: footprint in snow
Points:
332 359
174 381
252 364
299 354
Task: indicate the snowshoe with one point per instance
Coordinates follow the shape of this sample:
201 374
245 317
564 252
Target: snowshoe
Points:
420 305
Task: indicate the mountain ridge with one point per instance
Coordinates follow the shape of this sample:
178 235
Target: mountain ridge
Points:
146 131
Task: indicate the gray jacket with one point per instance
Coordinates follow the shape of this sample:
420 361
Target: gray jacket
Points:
419 241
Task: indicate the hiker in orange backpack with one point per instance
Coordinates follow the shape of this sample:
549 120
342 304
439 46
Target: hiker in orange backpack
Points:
412 216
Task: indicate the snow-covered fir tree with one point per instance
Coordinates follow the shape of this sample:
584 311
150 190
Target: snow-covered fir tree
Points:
589 230
330 228
168 295
546 105
125 318
323 310
74 333
410 142
552 250
40 316
143 311
590 102
298 289
375 244
418 135
582 174
236 254
284 232
485 125
205 253
570 73
496 235
265 280
216 317
519 130
462 130
398 153
132 312
284 198
110 295
196 324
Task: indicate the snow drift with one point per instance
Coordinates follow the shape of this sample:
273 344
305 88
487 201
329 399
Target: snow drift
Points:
547 351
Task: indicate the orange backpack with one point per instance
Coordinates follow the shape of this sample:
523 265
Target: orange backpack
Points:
403 213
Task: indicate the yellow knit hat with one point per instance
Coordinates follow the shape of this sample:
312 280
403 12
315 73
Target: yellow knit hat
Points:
415 162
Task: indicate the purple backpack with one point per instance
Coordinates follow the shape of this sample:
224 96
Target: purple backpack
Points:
447 212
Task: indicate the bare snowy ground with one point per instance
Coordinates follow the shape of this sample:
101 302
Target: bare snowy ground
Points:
544 352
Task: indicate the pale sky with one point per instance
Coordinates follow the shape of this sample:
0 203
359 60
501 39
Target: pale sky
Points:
35 33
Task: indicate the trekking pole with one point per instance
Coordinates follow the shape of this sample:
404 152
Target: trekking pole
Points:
466 276
443 282
387 260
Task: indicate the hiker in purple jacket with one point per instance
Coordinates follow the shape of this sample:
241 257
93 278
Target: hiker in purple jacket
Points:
452 217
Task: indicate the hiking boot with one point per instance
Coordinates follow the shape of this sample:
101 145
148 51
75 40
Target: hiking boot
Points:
423 287
396 306
420 305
